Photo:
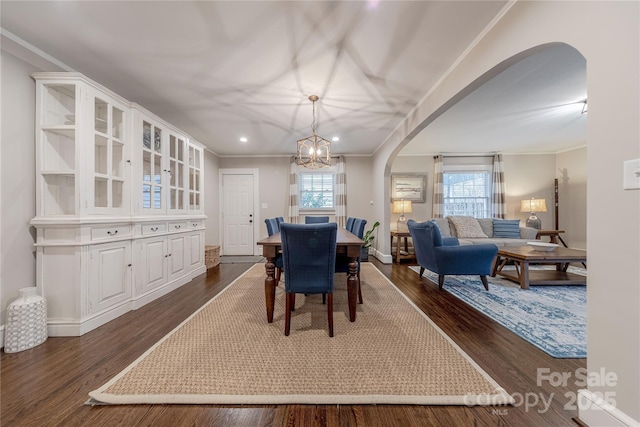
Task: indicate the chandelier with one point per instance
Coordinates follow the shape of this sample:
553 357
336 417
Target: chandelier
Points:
314 151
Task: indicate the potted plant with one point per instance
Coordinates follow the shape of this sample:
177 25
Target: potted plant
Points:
368 240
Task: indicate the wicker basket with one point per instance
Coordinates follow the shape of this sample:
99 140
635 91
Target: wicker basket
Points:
211 256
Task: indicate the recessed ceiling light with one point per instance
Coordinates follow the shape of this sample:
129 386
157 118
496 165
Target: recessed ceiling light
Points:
243 139
335 139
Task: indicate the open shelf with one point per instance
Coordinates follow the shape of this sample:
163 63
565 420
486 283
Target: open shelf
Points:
58 195
58 149
59 105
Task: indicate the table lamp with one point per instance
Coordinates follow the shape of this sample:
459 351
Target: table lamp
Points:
532 206
402 207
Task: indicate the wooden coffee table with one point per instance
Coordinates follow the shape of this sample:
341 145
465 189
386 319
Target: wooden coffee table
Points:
524 256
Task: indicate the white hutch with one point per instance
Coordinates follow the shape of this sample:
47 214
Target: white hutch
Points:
119 204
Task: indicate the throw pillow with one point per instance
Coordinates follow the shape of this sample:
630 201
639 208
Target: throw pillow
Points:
467 227
487 226
506 228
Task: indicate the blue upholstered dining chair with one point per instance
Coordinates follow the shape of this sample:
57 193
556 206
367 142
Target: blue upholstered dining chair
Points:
342 262
349 225
445 256
279 220
315 219
309 257
274 227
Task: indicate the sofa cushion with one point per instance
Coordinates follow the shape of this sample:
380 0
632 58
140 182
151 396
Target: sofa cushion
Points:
467 227
487 226
443 224
506 228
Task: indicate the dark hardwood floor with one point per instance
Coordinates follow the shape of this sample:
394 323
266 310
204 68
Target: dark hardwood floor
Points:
48 385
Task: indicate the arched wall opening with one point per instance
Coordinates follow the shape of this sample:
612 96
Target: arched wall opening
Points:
527 108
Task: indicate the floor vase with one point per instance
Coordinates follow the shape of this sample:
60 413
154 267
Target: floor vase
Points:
26 325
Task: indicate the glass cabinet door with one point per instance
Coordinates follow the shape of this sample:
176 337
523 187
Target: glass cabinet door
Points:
177 171
153 178
108 155
195 178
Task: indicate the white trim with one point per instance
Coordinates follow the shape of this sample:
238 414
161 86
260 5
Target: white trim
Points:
257 250
595 412
36 51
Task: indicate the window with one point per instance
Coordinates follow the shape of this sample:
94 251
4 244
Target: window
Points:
316 191
467 193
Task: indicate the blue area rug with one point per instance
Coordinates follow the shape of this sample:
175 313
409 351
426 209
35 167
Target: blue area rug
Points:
553 318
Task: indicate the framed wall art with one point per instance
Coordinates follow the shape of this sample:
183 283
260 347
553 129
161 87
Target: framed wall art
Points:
409 187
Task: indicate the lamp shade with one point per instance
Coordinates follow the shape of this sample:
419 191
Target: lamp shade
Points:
402 206
533 205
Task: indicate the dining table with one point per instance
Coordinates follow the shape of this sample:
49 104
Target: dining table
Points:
347 244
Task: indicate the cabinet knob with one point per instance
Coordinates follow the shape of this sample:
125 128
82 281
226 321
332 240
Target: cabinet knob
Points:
177 227
154 228
110 233
129 265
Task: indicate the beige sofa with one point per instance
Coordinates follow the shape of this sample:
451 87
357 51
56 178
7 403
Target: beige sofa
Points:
448 229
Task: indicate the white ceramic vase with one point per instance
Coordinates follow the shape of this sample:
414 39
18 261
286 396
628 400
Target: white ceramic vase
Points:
26 325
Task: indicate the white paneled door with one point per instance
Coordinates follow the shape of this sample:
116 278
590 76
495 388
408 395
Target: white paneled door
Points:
237 214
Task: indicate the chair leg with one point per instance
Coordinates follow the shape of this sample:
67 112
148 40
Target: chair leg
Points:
293 301
287 317
440 281
359 289
324 298
278 273
330 312
421 271
485 282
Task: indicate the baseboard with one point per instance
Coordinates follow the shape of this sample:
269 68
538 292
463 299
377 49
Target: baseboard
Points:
142 300
200 270
385 259
595 412
74 328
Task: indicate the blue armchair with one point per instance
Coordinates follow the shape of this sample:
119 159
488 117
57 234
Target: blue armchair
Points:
273 226
447 256
309 255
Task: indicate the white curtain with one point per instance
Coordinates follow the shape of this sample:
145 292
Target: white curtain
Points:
498 198
341 192
438 188
294 209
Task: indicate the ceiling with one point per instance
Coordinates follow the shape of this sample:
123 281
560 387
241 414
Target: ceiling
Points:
222 70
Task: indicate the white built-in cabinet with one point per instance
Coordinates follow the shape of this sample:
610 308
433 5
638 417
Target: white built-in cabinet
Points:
119 214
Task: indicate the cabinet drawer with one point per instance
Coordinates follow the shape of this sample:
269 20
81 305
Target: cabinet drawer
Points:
177 226
150 229
195 224
110 232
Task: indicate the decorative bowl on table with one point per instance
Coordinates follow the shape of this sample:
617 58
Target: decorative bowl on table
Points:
542 246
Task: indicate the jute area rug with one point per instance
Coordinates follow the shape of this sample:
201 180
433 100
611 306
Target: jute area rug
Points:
227 353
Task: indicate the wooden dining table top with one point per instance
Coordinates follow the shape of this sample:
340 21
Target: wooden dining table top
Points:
343 238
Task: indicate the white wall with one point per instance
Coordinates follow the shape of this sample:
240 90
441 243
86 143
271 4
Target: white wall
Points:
17 179
528 176
607 34
274 186
211 204
571 172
